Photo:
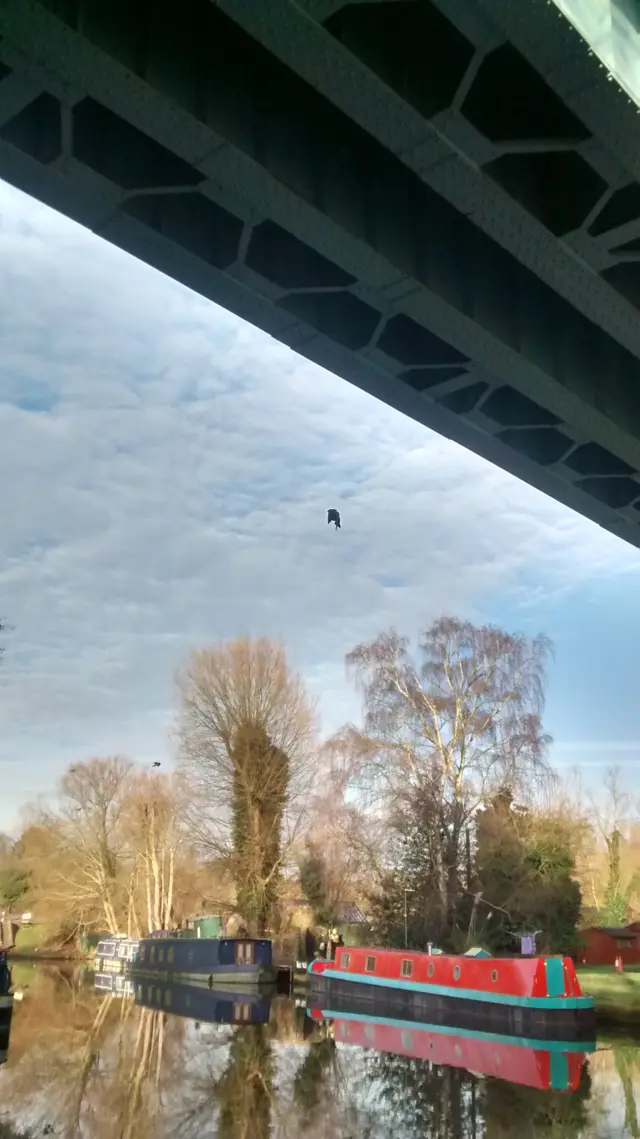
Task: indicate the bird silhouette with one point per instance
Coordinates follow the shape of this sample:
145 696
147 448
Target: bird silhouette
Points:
334 516
156 764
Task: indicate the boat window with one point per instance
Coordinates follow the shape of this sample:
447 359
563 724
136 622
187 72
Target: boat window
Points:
141 953
406 969
456 972
170 956
167 998
345 960
370 965
152 955
494 975
431 970
160 956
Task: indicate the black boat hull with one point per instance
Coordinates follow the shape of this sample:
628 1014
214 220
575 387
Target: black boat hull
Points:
513 1020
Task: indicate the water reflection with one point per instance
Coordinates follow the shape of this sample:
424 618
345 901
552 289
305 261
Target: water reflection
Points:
222 1005
164 1060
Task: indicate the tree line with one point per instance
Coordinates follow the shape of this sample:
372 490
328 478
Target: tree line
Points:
439 814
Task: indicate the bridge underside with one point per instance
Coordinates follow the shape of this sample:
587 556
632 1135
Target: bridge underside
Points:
439 201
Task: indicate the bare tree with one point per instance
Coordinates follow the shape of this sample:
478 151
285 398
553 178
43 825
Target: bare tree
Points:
447 731
155 835
334 862
246 734
615 852
75 855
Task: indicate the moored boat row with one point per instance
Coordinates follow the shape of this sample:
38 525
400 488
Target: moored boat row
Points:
526 996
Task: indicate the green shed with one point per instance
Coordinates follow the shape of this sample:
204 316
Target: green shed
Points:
209 926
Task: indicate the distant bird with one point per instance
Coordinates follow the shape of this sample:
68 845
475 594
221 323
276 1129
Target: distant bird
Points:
334 516
156 764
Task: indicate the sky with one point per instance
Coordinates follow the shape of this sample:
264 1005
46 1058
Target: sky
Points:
166 472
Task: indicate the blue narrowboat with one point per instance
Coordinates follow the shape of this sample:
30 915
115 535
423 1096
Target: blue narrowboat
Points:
206 961
115 954
224 1004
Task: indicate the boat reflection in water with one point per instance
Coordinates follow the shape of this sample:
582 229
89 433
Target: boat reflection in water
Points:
217 1005
209 1006
115 983
553 1066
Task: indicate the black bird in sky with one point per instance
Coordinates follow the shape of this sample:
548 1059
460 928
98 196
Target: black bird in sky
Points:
156 764
334 516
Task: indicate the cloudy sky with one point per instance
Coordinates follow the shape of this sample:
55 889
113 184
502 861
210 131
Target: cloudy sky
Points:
166 471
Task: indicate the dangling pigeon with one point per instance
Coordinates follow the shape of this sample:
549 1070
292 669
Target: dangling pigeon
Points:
334 516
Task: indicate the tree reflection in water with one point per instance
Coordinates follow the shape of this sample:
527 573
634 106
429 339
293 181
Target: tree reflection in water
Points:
527 1113
245 1090
84 1063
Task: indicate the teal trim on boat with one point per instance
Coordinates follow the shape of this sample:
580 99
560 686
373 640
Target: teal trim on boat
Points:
559 1073
553 1046
555 976
460 994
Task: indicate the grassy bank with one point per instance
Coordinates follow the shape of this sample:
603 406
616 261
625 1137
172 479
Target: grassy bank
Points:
32 945
616 995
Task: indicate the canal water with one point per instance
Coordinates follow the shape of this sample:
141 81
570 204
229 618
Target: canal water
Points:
85 1062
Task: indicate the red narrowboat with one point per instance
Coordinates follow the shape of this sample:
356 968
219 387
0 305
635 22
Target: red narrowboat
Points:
538 997
554 1066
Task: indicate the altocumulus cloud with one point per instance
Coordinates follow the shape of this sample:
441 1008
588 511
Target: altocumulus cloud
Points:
166 472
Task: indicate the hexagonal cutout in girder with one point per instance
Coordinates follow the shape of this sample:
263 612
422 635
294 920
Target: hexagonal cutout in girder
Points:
592 459
625 279
615 493
123 154
545 445
411 343
37 129
196 223
558 188
510 408
289 262
410 45
510 102
464 400
421 379
340 316
622 207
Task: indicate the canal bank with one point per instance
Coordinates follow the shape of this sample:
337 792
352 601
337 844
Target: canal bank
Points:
616 996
